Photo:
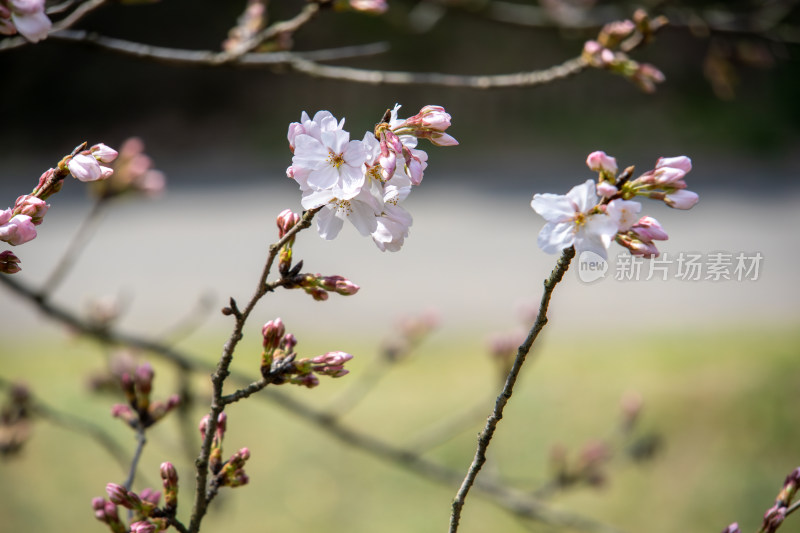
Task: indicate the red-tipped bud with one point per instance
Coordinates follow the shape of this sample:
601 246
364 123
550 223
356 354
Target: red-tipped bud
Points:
9 263
273 331
286 220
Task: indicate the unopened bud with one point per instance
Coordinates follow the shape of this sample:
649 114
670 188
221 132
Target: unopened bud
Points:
103 153
286 220
143 527
273 331
600 162
9 263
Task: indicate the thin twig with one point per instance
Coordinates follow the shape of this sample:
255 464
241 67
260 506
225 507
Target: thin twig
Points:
514 502
485 437
74 249
203 495
77 424
141 440
450 428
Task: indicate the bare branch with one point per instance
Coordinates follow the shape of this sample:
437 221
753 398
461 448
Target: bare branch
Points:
485 437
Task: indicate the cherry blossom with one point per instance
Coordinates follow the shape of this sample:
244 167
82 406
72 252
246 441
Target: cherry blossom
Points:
26 17
17 229
572 220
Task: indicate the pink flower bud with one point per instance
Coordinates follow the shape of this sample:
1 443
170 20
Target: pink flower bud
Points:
19 230
286 220
681 199
273 331
203 426
103 153
733 528
86 168
169 474
600 162
31 206
143 527
681 163
637 246
288 343
332 358
9 263
434 117
121 496
443 139
648 229
374 7
143 378
150 496
606 190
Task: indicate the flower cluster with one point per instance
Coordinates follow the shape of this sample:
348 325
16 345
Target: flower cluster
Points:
231 472
364 181
140 411
17 224
133 172
593 214
608 51
146 517
26 17
279 363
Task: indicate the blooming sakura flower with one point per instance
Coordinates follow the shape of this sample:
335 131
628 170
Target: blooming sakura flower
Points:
624 212
26 17
573 221
330 166
363 181
17 229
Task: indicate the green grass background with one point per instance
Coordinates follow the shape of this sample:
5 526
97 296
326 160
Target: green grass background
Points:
724 400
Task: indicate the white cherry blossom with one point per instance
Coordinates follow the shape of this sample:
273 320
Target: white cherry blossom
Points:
571 222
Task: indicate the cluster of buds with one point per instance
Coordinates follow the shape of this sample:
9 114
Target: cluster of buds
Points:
319 286
587 468
231 472
616 38
593 214
140 411
503 348
26 17
18 223
146 517
133 172
363 181
15 420
408 333
776 514
279 363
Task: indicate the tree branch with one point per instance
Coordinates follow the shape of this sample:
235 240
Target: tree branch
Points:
485 437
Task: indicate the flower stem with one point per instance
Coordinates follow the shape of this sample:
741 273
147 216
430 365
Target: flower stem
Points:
485 437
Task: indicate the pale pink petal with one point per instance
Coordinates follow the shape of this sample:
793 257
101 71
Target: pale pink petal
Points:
554 237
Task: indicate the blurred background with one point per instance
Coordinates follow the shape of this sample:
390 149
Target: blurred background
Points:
715 363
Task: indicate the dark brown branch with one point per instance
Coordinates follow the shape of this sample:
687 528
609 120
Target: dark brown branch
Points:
485 437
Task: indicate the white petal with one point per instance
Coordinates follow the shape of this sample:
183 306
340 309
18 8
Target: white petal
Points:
312 199
584 196
328 224
553 207
325 178
554 237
